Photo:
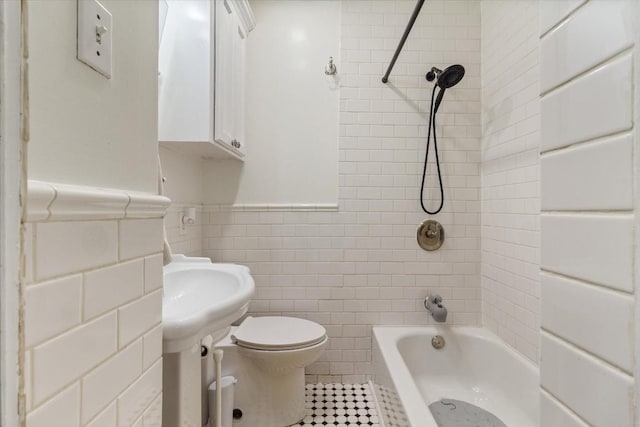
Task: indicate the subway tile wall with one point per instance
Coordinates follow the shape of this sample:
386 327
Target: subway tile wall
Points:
510 172
361 266
186 239
588 179
93 333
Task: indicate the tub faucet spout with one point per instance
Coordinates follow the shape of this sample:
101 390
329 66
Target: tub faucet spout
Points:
433 304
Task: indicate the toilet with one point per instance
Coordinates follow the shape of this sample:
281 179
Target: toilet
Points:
268 356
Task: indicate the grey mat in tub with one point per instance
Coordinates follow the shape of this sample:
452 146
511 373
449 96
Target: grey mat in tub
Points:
456 413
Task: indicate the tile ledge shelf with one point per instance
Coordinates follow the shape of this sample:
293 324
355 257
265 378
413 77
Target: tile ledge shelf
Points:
48 201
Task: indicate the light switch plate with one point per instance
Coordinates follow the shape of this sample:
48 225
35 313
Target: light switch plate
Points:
94 36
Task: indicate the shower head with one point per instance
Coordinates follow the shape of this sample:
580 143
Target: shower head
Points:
450 77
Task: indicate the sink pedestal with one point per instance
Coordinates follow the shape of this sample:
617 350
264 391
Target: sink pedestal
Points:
200 298
181 383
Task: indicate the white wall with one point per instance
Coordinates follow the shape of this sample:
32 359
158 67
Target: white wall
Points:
92 272
589 210
185 187
85 128
361 266
291 109
184 176
510 172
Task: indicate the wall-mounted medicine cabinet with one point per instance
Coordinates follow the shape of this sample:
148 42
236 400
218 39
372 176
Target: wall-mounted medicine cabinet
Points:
201 65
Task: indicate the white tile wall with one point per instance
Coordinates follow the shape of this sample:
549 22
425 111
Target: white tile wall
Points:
104 384
87 245
510 172
589 185
576 113
63 410
107 418
568 311
581 350
67 357
51 308
567 372
92 322
152 346
140 237
361 266
569 248
190 241
140 395
135 318
152 272
153 414
108 288
572 49
553 12
556 414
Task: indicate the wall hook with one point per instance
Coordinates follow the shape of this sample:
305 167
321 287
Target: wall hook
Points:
330 69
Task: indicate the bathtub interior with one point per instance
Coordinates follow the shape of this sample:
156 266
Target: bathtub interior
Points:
474 366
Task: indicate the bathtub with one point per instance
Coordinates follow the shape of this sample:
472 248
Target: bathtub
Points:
474 366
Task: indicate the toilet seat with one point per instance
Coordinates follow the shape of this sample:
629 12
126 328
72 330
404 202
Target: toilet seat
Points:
273 333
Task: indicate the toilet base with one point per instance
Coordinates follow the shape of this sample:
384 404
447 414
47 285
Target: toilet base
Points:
266 397
284 399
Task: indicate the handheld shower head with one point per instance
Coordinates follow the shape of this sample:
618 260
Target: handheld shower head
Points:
448 77
438 99
451 76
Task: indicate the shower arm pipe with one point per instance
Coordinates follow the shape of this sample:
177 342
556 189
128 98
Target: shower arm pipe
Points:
407 30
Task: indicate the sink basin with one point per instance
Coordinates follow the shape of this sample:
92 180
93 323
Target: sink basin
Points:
201 298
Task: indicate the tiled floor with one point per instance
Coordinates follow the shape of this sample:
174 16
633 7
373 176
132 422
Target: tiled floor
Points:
341 405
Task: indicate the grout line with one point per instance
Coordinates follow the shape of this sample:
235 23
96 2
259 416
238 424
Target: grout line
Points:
601 139
623 213
564 20
584 282
594 357
593 69
57 393
560 403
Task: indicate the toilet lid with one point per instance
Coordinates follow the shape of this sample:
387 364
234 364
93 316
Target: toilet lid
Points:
278 333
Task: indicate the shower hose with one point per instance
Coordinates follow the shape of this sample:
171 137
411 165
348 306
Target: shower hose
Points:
432 122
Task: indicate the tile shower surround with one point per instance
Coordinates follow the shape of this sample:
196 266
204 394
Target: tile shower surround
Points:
510 173
360 265
93 307
589 163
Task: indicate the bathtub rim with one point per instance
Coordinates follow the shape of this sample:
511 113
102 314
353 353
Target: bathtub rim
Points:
416 410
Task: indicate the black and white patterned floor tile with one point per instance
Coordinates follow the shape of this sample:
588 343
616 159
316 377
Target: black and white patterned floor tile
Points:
339 405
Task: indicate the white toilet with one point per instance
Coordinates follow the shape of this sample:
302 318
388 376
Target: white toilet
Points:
268 356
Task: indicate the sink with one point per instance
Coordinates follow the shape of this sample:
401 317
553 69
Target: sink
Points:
201 298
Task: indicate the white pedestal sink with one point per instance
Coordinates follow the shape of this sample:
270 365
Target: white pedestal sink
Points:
199 298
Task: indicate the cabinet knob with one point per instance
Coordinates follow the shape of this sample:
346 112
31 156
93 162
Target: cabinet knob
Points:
235 143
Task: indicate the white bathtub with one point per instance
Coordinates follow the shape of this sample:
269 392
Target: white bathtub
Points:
474 366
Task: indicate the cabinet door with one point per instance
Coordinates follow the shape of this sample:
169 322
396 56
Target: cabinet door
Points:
184 65
238 89
224 64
